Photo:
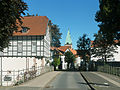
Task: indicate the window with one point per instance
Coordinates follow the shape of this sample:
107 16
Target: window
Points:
34 48
24 29
20 47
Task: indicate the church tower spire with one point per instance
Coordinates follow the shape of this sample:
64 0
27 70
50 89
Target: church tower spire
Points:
68 41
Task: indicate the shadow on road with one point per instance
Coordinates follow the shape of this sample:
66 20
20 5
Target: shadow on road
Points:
69 70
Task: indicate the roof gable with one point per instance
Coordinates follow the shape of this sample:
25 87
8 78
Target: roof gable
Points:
67 50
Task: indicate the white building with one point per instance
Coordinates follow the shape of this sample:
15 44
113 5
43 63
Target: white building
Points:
115 58
29 47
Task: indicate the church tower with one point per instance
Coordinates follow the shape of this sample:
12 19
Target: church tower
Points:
68 41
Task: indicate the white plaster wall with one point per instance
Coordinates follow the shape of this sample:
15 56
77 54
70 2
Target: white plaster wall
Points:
18 63
43 62
38 61
47 45
78 60
63 62
13 63
30 62
117 55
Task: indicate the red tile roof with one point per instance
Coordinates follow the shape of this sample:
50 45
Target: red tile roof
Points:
63 48
53 48
73 51
56 48
37 25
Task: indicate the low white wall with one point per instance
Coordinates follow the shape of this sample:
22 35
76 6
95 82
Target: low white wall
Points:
11 66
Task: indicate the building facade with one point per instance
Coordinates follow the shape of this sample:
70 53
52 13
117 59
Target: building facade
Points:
29 46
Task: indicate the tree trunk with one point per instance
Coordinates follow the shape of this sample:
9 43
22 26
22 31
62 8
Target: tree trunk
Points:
105 59
68 65
54 68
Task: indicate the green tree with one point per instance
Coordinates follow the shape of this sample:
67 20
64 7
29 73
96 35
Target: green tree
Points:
56 62
84 46
11 10
108 18
101 48
69 58
55 35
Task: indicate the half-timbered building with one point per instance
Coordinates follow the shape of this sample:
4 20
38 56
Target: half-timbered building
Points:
29 46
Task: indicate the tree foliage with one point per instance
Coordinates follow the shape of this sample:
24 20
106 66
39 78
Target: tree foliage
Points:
108 18
83 45
56 61
69 58
55 35
11 10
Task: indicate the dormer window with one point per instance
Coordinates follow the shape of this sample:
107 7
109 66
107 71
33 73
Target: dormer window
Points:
24 29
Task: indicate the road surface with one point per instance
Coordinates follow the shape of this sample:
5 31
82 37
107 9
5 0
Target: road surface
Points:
69 80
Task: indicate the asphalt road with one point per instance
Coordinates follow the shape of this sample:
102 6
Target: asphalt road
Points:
70 81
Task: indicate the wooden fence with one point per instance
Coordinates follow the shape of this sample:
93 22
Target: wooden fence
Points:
109 69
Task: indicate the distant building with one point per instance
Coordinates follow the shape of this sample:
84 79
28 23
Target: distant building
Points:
60 51
115 58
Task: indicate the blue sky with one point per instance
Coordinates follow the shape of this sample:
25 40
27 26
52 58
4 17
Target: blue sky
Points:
77 15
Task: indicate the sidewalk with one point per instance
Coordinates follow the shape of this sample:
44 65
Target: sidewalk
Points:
102 81
41 81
